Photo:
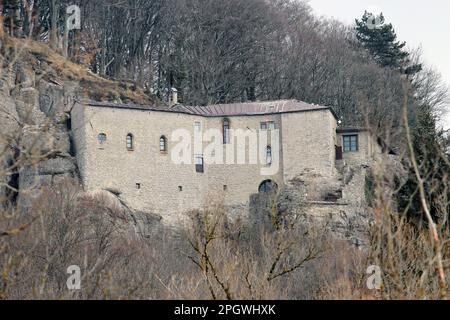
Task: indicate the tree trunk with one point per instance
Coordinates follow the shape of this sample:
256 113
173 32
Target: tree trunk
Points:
54 25
28 24
1 19
65 44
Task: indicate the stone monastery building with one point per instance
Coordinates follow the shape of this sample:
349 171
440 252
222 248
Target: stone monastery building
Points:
128 149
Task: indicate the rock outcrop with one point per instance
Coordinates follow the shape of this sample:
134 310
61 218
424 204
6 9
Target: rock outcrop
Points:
337 203
38 89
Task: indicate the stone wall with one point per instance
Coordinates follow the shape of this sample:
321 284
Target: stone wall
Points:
368 149
309 140
149 180
33 119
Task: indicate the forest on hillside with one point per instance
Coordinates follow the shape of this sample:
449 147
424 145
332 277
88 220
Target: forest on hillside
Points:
238 50
223 51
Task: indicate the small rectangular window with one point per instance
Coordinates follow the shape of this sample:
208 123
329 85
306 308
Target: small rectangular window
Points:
226 137
226 131
351 143
130 142
138 186
180 188
199 164
339 152
269 156
225 188
198 126
269 125
102 138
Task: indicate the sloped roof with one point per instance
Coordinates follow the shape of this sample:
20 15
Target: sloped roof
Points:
224 110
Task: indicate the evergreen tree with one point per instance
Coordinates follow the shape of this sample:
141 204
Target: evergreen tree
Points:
429 148
380 40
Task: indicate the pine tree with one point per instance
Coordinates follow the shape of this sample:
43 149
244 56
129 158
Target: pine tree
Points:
380 40
429 148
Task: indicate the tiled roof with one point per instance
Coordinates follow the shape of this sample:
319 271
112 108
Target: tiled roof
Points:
224 110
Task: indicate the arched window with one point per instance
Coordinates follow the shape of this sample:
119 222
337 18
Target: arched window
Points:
102 138
269 155
268 186
163 144
226 131
130 142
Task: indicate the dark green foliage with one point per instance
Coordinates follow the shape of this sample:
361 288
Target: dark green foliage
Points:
430 146
380 40
369 189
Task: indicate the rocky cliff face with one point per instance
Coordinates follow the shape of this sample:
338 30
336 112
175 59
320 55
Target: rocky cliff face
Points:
38 128
38 88
336 204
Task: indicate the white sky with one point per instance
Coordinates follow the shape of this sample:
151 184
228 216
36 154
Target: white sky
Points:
418 22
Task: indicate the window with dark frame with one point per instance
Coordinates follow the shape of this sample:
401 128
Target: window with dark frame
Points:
102 138
130 142
163 144
226 131
268 125
269 155
350 143
199 167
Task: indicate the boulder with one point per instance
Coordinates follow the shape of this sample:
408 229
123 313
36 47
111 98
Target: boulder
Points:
29 178
30 96
51 99
37 139
57 166
8 115
61 142
61 178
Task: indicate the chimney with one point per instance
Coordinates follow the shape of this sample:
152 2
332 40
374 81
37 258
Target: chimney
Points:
173 100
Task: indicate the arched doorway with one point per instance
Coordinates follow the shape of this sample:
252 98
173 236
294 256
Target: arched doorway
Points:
268 186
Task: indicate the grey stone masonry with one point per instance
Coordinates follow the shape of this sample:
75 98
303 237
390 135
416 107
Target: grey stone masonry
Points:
149 179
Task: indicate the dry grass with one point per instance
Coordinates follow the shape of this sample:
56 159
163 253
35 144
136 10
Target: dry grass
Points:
59 69
213 259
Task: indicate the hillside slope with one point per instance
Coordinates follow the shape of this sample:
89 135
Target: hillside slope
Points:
38 87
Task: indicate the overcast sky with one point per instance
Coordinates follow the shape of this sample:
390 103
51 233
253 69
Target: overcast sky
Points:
418 22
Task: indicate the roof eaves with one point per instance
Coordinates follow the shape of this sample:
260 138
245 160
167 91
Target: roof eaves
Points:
199 111
351 129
